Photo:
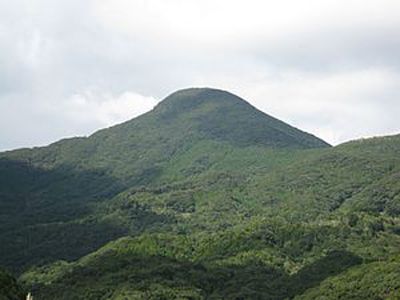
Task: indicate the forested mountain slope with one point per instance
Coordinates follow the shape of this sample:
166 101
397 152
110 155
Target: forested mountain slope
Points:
202 198
269 236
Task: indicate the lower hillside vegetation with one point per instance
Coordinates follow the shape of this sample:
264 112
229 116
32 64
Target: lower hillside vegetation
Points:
248 223
376 280
9 288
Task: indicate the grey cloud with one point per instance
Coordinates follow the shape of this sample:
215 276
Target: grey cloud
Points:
332 49
51 51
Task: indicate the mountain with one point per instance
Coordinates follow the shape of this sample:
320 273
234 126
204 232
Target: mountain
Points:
204 197
52 191
221 116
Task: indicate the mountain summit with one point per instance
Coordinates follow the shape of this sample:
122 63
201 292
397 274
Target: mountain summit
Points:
220 115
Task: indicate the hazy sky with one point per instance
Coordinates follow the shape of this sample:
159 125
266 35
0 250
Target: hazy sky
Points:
70 67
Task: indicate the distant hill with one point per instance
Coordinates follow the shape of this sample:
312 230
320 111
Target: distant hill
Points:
204 197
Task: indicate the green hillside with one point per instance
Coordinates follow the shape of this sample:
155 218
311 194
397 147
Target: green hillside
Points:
277 235
376 280
204 197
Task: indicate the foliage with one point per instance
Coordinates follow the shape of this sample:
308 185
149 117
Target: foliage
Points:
9 288
203 198
377 280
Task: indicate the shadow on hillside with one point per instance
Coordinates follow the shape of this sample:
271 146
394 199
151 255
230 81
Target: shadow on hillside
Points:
333 264
48 215
158 277
58 194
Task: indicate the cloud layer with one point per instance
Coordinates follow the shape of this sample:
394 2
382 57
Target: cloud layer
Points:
70 67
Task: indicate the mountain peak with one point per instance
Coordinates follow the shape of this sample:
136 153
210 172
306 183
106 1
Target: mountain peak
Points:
218 114
190 98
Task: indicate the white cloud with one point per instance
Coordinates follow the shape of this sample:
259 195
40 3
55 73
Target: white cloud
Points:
211 23
105 109
42 122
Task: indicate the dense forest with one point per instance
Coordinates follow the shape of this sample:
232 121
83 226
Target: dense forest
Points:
204 197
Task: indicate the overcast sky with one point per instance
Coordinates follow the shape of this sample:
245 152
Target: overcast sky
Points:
70 67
